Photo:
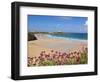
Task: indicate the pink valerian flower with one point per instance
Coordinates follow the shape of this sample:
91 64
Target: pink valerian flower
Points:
78 59
68 55
41 54
52 50
54 56
64 53
39 57
60 58
42 59
36 60
49 54
75 52
56 52
59 53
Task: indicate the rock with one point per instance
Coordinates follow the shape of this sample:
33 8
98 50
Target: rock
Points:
31 37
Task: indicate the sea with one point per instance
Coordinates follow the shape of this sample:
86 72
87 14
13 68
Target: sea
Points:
74 36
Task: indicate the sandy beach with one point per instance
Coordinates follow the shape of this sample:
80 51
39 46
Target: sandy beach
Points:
47 44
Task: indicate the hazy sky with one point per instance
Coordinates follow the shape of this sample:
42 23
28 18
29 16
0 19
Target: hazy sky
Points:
40 23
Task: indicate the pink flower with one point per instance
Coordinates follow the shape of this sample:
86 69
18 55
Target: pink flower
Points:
75 52
46 55
64 53
36 60
41 54
52 50
39 57
56 52
53 56
78 58
44 52
59 53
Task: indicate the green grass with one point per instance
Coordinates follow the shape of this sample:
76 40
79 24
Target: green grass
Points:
84 58
47 63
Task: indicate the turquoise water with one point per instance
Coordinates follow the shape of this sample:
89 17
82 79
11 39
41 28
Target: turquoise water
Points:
78 36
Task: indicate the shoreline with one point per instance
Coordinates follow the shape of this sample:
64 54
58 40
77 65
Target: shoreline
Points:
66 38
48 36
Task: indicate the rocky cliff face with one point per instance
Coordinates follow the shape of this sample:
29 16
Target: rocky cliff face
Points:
31 37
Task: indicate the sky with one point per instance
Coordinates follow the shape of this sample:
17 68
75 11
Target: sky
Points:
43 23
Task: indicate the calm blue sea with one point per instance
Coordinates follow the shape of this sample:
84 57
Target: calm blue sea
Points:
80 36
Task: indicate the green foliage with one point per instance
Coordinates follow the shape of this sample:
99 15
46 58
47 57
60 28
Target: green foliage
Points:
48 63
84 58
72 61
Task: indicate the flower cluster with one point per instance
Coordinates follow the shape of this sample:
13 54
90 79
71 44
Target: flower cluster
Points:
59 58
